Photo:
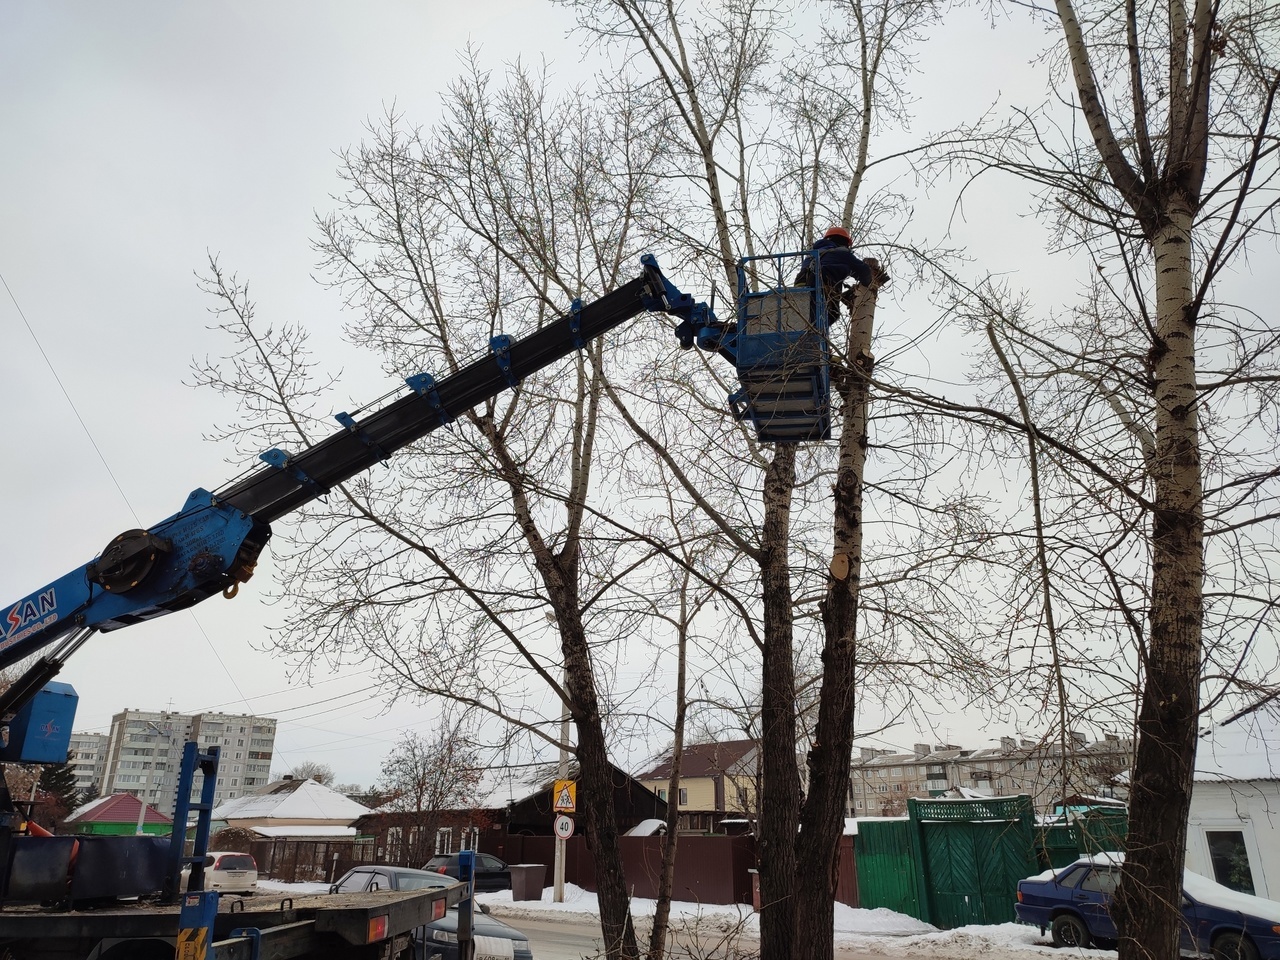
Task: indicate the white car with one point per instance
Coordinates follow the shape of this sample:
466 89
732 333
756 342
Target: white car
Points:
230 872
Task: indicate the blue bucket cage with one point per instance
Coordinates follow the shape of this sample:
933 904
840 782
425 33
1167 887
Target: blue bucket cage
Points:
779 345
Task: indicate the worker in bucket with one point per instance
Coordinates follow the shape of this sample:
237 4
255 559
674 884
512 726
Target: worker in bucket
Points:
834 258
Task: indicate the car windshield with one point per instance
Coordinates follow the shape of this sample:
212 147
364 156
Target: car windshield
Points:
235 861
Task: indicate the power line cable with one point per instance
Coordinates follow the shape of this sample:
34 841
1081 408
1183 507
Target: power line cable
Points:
71 403
106 466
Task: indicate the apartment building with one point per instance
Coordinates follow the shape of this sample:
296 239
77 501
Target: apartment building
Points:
144 753
88 758
247 745
881 781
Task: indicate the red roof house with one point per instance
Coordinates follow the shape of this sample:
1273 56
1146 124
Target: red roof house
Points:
117 815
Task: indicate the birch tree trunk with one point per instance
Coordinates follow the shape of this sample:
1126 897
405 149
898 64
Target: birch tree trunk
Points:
822 819
1148 905
1164 202
1143 80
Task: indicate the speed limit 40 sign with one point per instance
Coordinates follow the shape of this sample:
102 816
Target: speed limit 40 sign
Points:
564 827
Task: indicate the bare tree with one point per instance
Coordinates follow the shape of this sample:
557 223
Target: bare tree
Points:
428 775
313 770
755 186
1150 406
473 570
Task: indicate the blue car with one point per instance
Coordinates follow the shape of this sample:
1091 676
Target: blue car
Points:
1073 903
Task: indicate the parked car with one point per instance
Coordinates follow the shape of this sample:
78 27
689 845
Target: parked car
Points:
491 873
1073 903
228 872
438 940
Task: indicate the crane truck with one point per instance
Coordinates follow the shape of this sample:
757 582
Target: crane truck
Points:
211 545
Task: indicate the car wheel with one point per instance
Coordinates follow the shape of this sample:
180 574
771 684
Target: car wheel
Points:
1068 930
1234 946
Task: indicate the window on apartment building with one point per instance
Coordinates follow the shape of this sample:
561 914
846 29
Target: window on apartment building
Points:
881 773
858 804
662 794
684 796
897 788
742 797
884 788
897 772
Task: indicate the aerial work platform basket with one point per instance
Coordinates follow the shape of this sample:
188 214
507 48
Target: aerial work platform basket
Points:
782 352
779 345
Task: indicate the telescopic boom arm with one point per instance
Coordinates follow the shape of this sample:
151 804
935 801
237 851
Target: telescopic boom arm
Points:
213 543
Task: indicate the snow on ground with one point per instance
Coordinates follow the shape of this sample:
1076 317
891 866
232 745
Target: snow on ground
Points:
879 931
1005 941
849 922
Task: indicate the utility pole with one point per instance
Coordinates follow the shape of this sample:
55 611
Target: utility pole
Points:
563 774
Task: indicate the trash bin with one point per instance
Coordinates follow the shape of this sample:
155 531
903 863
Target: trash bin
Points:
526 880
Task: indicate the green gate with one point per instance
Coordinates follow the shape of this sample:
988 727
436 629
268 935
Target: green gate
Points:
971 855
887 873
1102 829
1057 846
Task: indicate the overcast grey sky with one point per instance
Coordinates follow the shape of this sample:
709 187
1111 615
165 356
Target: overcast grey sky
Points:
139 136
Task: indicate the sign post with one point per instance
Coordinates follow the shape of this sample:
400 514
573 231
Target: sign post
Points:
564 799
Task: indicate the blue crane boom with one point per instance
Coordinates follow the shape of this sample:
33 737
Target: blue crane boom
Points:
211 545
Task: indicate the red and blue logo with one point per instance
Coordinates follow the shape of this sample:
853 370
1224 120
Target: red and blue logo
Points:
27 616
31 609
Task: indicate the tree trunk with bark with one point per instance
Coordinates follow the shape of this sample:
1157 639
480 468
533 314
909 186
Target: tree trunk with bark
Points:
780 776
821 826
1148 905
559 573
670 843
1162 187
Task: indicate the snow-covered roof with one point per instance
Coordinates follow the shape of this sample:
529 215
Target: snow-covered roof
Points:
305 830
1246 747
502 786
292 800
651 828
851 823
965 793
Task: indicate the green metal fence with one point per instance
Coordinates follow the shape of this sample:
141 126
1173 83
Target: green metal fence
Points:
1099 830
887 873
956 862
1057 845
971 855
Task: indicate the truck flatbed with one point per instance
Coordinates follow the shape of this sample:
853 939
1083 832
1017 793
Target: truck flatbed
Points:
336 925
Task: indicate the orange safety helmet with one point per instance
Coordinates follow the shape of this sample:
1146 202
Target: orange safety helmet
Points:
840 232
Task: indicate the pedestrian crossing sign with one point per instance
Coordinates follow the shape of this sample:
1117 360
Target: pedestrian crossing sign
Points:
565 795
